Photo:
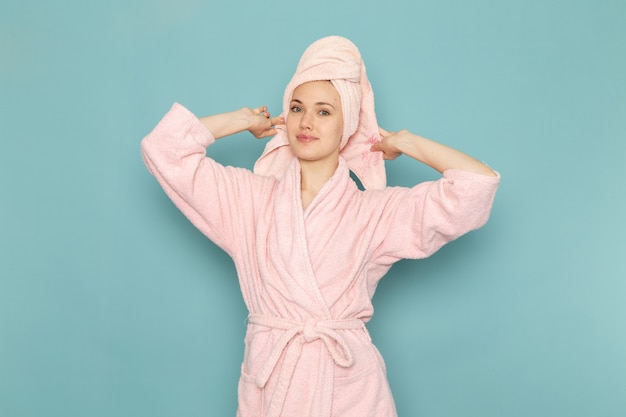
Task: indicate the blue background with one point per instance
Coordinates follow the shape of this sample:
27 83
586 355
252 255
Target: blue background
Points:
112 304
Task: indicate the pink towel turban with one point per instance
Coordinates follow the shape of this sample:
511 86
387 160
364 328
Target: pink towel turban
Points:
338 60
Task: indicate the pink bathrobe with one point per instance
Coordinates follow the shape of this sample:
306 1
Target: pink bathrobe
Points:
308 276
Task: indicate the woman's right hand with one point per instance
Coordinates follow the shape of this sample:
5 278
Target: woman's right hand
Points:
262 124
258 121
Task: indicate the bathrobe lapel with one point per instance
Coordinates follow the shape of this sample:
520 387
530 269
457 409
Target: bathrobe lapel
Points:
285 260
292 240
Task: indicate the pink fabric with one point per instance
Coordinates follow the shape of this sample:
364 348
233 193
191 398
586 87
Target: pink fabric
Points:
307 276
336 59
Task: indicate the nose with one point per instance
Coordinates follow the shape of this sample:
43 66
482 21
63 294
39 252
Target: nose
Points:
306 120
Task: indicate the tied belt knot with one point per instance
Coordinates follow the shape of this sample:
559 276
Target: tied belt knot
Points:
309 331
290 343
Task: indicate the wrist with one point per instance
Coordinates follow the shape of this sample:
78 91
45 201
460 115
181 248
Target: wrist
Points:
242 119
404 141
417 147
226 124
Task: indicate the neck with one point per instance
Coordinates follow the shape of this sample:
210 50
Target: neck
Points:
313 176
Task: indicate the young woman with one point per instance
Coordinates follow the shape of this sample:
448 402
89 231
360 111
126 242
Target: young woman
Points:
309 246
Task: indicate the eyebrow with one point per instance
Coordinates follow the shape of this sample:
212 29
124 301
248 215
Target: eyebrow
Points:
319 103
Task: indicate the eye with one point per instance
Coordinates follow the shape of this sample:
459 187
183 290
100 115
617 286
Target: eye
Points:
296 109
324 113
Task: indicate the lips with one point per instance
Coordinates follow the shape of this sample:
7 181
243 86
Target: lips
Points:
305 138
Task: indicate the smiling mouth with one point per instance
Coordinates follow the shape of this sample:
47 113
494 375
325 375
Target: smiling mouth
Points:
305 138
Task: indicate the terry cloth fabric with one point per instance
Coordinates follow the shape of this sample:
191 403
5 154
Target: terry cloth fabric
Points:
308 276
338 60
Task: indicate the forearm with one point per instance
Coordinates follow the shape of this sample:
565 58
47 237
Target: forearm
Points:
225 124
258 121
438 156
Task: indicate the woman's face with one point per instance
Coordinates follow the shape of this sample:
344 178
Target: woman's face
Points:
315 122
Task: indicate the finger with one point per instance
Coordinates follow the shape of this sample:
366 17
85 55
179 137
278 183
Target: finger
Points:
384 133
269 132
278 120
259 110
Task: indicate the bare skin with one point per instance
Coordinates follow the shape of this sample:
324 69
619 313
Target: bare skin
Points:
314 129
256 120
315 172
435 155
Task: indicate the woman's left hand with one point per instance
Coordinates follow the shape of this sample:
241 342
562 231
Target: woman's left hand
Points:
434 154
387 144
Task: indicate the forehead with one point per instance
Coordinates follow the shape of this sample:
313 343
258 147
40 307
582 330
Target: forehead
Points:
316 91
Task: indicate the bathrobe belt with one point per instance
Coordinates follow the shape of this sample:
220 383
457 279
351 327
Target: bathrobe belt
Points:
291 341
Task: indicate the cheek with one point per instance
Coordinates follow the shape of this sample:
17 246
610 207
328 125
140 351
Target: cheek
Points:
291 124
339 131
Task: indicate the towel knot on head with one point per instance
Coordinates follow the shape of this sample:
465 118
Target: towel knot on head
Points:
338 60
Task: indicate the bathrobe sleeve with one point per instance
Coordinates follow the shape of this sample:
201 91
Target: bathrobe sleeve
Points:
416 222
215 198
